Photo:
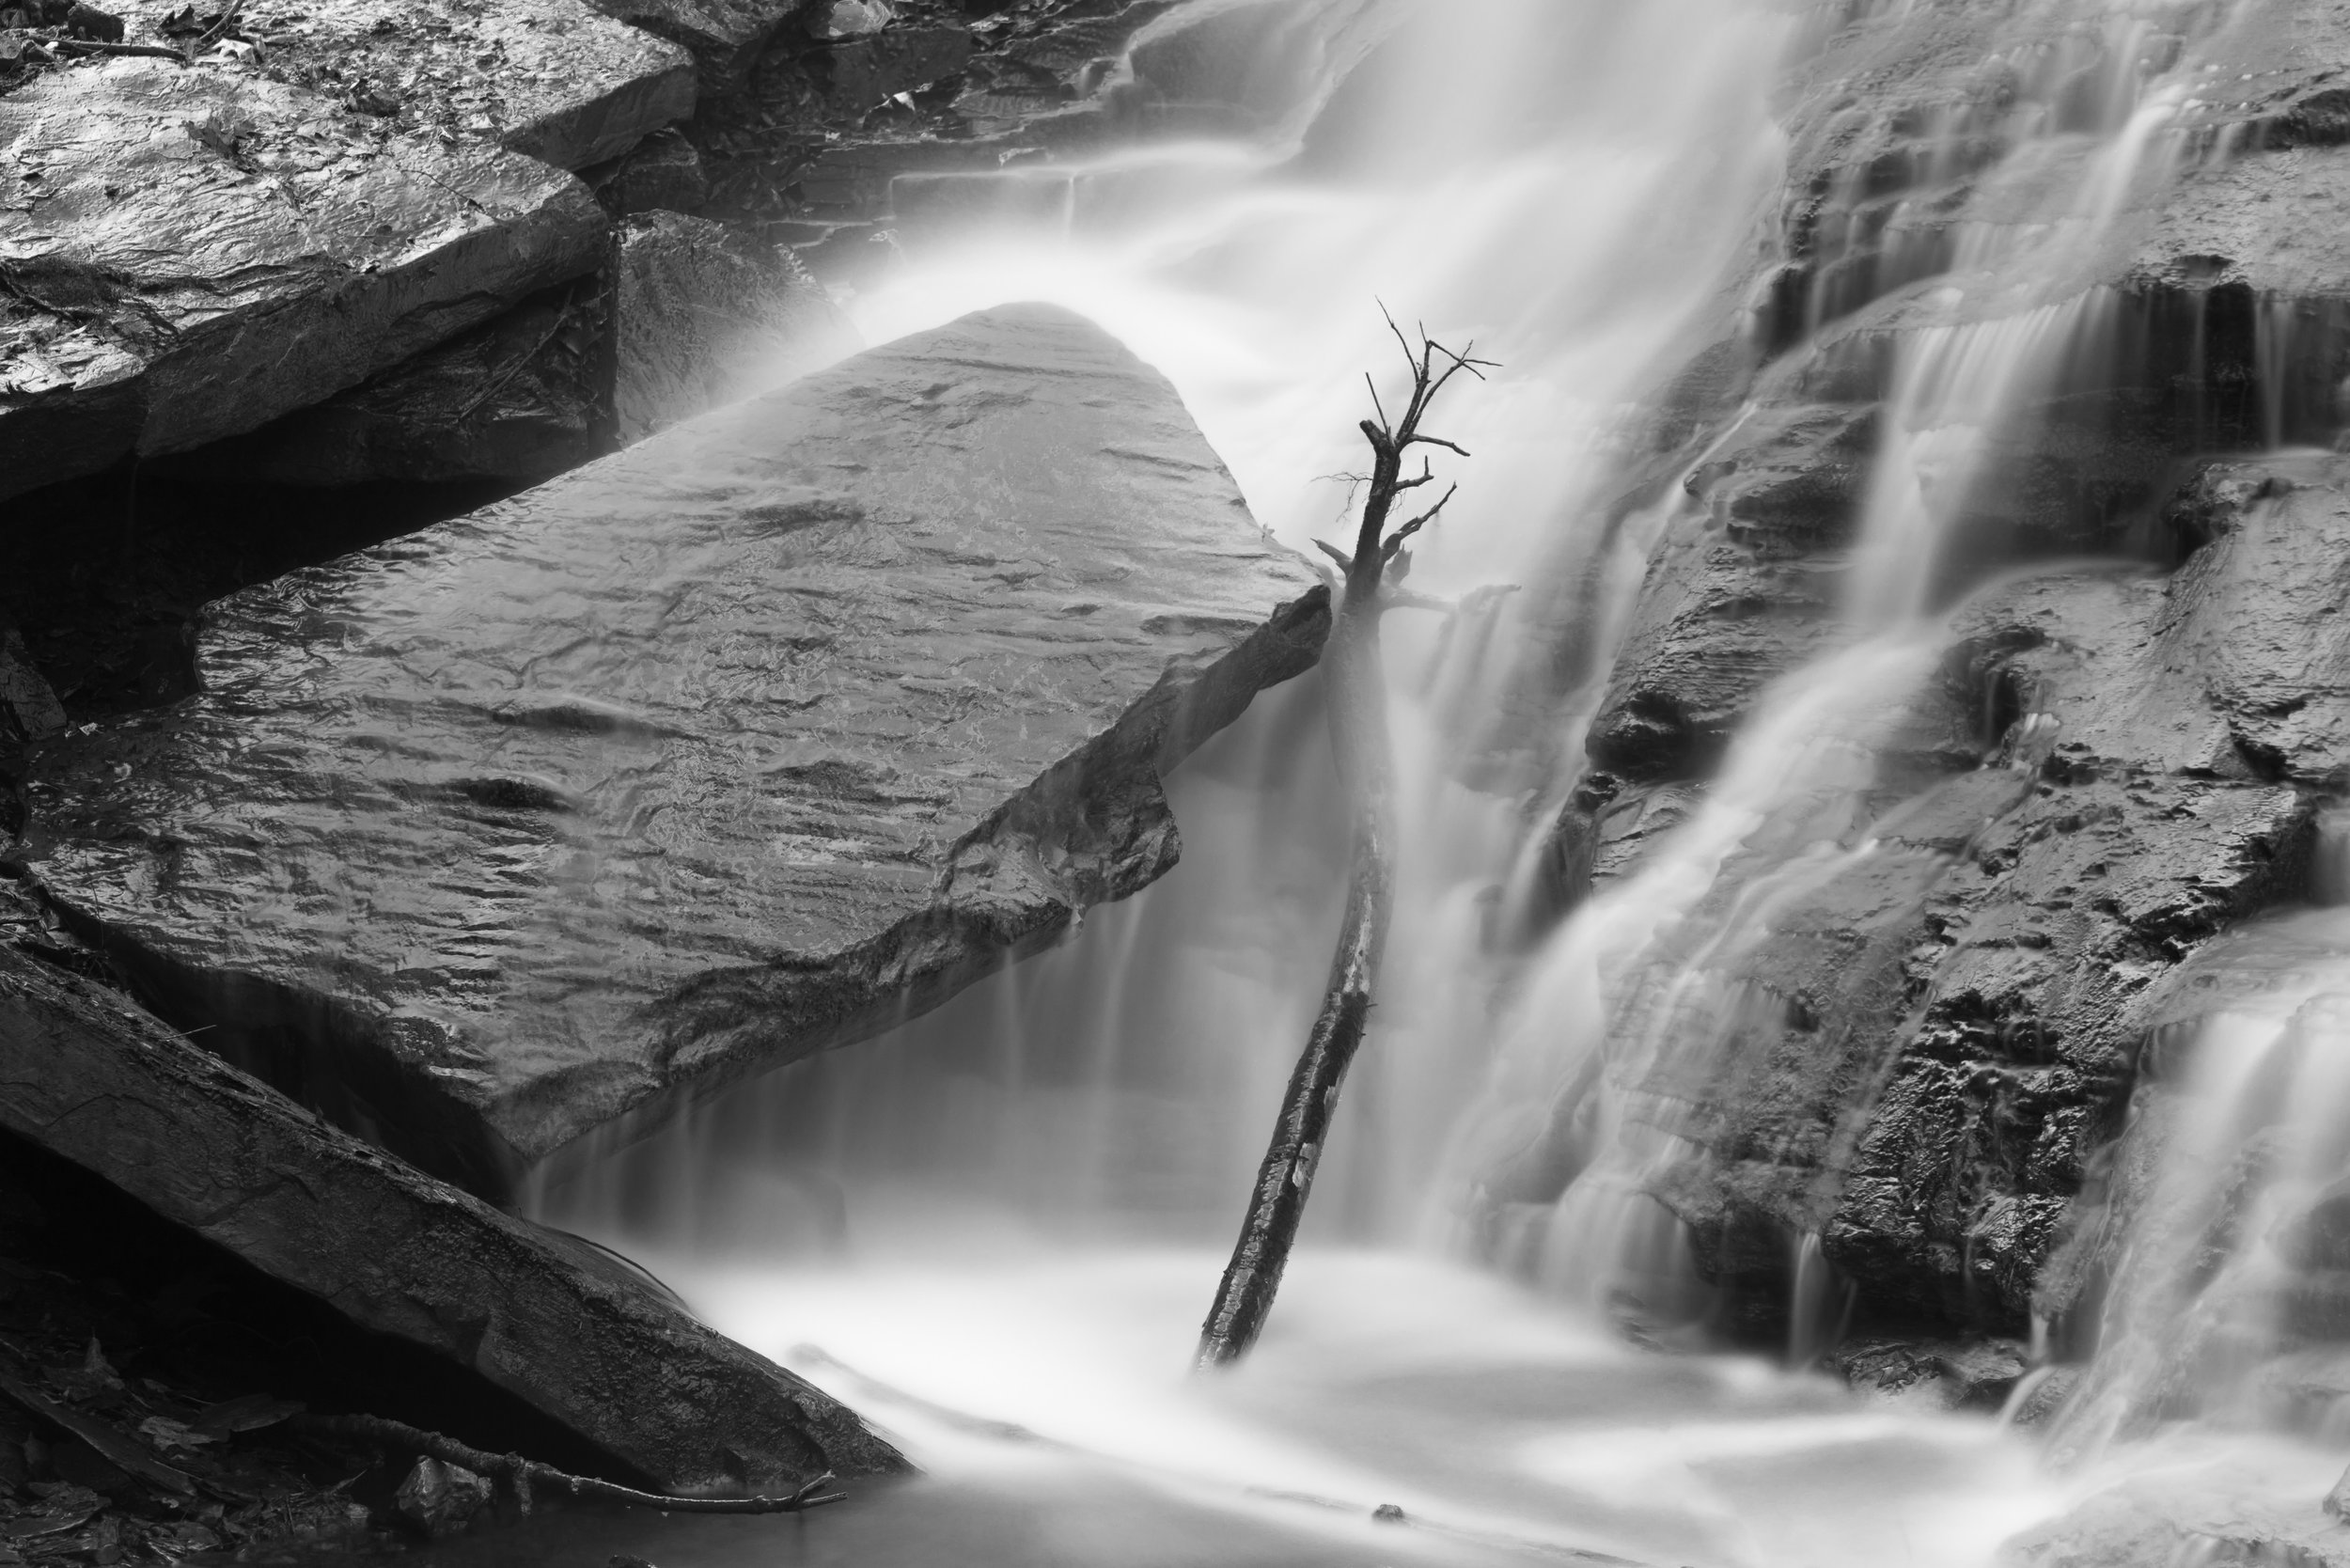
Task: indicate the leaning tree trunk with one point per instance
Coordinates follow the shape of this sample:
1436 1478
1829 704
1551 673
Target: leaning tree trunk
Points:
1356 695
1359 724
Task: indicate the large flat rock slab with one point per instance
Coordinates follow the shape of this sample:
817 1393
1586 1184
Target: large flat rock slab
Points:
190 254
583 1340
741 745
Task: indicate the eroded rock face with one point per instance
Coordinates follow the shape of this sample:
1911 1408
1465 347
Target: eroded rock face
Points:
164 296
580 1337
2219 321
1942 1032
739 745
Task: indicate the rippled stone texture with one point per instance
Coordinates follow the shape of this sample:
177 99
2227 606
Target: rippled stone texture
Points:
190 254
575 1334
739 745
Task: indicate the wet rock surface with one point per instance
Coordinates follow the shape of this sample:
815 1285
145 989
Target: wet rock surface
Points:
685 316
2142 1524
525 397
2227 299
1952 1375
554 79
724 36
1927 1051
191 256
590 1345
733 747
704 316
1939 1036
818 133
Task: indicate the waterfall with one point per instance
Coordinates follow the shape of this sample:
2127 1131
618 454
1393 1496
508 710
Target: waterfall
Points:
1010 1206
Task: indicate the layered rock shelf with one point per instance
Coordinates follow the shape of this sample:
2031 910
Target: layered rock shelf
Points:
741 744
576 1335
190 256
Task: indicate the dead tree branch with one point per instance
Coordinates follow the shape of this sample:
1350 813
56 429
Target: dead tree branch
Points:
524 1474
1355 684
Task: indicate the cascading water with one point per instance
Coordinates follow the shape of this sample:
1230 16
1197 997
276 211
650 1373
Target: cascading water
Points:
994 1229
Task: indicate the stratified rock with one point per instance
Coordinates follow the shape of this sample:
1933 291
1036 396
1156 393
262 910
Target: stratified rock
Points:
724 36
528 395
594 1347
1955 1014
745 743
801 141
704 316
555 78
687 316
164 296
440 1499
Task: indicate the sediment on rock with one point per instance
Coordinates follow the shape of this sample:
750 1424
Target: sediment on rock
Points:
932 625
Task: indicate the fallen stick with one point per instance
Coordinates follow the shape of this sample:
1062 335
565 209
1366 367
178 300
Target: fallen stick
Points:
112 1446
88 46
524 1474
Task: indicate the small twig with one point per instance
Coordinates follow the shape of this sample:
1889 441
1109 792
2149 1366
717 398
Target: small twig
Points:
88 46
228 20
524 1474
1395 541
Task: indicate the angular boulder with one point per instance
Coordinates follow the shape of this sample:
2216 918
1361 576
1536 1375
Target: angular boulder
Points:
724 36
576 1336
704 315
191 254
555 78
741 744
524 396
687 316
